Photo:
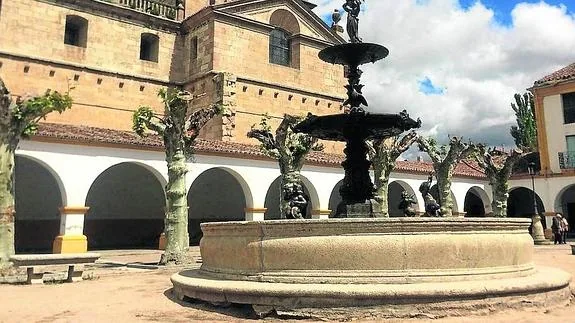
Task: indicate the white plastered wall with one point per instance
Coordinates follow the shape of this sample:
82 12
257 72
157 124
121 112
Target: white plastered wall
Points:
78 166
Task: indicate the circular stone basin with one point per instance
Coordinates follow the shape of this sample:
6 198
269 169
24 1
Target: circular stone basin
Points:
353 53
335 127
383 266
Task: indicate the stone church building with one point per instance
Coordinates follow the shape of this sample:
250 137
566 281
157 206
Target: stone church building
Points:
86 181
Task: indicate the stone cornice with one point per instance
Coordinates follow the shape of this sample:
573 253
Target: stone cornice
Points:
319 25
289 88
243 21
92 69
119 13
310 41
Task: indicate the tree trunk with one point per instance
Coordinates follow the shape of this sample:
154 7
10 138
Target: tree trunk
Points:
500 195
444 188
381 175
6 203
176 222
288 180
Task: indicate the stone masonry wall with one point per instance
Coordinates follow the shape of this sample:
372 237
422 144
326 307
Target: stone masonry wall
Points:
108 78
111 44
245 52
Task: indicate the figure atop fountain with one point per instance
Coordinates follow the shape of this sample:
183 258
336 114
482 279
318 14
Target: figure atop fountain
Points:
353 7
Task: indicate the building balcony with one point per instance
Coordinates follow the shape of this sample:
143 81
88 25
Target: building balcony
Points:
161 8
567 160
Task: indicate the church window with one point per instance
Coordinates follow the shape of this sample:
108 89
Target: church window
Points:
280 47
76 31
149 47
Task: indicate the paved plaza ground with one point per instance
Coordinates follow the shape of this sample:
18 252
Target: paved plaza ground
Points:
119 292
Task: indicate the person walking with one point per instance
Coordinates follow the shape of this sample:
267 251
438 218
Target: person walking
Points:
564 230
556 228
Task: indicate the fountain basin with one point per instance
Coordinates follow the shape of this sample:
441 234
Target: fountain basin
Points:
372 265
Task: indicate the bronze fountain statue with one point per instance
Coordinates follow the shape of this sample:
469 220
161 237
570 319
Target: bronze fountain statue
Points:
357 126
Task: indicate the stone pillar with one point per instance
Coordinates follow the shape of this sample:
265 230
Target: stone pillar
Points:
71 238
162 242
537 231
320 214
255 214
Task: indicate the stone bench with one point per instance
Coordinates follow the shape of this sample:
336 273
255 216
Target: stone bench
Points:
72 260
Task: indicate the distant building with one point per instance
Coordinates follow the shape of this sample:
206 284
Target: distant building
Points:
555 113
87 179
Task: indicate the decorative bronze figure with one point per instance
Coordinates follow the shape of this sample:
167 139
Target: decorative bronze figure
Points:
298 202
407 200
353 8
431 206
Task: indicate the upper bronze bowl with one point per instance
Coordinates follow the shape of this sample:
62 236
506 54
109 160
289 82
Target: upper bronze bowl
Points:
342 127
353 54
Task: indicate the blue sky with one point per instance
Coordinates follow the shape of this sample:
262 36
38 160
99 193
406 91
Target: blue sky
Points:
455 68
502 8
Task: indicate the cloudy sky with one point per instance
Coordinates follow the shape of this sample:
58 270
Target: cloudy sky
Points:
457 63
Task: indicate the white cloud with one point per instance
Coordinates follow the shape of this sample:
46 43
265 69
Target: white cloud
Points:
480 63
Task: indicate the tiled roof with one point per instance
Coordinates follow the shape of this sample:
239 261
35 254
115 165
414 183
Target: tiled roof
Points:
93 135
567 73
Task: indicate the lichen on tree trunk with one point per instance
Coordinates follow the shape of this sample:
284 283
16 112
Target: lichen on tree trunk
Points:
6 202
498 166
445 159
176 221
382 189
500 196
383 153
444 190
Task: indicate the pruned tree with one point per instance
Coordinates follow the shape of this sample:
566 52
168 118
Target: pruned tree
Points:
178 127
18 119
289 149
383 153
498 166
525 132
445 158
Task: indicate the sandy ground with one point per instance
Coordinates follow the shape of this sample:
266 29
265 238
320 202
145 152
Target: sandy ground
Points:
121 294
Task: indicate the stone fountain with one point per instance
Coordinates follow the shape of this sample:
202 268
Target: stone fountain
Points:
362 265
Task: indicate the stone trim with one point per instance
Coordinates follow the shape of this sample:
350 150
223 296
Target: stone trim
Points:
119 13
320 212
250 80
320 26
73 210
91 69
255 210
239 21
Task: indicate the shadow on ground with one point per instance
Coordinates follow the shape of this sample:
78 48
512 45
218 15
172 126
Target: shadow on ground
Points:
240 311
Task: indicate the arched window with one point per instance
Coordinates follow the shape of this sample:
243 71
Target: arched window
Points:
280 44
149 47
76 32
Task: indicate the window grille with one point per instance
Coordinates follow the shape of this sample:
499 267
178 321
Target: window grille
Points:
280 47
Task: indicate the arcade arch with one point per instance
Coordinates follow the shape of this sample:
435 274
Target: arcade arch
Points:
565 203
394 191
39 194
272 202
126 204
476 203
216 195
520 203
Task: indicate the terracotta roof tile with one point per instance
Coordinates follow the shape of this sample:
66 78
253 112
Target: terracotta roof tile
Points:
567 73
93 135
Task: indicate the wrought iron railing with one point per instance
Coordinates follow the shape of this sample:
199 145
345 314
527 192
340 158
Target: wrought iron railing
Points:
567 159
156 8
